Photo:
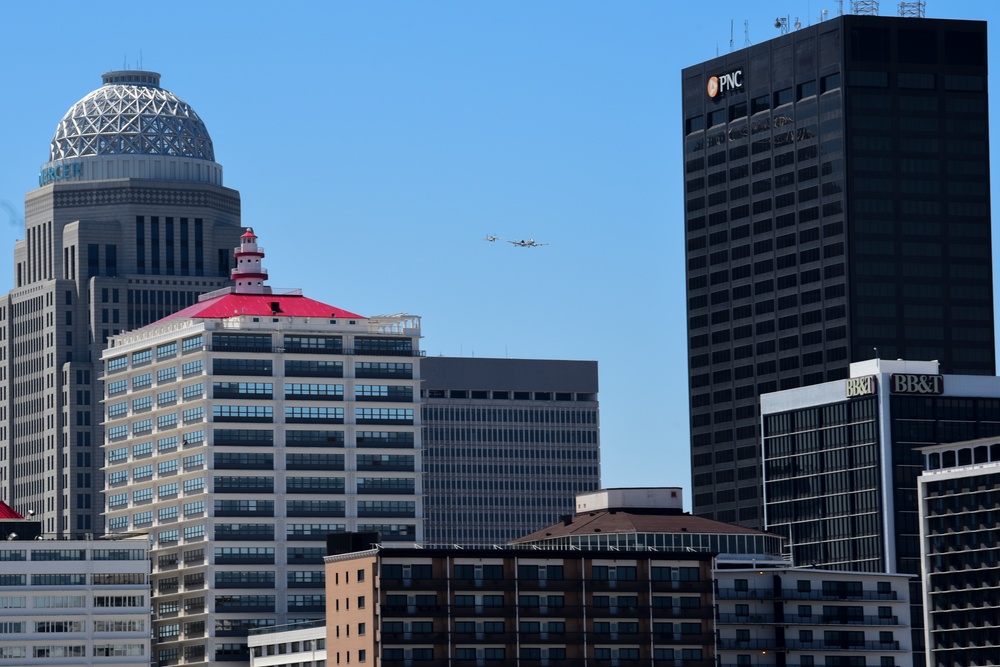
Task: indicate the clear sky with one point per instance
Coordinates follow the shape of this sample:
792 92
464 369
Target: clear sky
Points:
376 143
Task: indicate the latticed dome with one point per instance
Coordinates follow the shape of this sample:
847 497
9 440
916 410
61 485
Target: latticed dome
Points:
131 115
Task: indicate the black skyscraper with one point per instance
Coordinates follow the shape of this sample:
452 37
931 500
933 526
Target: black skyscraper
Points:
837 208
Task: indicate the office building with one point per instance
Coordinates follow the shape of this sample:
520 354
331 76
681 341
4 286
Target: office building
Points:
653 591
240 432
79 602
301 644
959 494
507 444
842 459
837 209
129 223
768 613
638 591
468 607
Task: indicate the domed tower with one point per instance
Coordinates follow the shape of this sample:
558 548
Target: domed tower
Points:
131 128
130 223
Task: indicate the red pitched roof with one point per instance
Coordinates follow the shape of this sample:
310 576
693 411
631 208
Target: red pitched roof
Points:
289 305
7 513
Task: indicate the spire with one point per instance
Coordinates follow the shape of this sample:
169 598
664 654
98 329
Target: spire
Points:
249 275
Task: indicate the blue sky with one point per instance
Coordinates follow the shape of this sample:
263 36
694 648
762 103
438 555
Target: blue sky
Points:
376 143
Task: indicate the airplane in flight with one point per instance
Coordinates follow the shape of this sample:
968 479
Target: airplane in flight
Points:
491 238
530 243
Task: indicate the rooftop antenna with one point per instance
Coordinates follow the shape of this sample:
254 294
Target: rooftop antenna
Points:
822 15
840 7
914 9
731 45
798 23
781 23
865 7
140 58
746 34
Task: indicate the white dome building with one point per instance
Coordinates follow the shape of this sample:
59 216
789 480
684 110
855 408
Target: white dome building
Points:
131 128
130 223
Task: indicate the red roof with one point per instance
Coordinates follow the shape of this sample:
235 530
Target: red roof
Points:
7 513
636 521
288 305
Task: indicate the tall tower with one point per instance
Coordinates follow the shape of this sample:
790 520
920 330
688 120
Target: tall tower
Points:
129 223
837 209
243 430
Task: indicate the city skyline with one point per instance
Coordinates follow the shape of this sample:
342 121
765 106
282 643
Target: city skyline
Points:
423 130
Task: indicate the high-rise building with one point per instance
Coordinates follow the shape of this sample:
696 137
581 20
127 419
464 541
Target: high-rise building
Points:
69 601
960 549
240 432
629 579
129 223
507 444
837 208
842 460
807 616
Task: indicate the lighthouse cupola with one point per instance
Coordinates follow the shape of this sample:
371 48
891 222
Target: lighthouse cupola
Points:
249 273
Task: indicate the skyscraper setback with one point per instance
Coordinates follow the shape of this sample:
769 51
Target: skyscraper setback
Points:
837 209
130 223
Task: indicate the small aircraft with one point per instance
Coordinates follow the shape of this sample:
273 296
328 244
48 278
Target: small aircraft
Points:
491 238
530 243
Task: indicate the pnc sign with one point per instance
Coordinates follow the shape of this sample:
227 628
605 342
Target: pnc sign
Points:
60 172
913 383
720 84
862 386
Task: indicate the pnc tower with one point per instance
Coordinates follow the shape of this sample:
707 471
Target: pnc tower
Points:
130 222
837 209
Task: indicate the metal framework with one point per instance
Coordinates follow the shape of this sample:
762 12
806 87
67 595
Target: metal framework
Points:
131 114
868 7
913 9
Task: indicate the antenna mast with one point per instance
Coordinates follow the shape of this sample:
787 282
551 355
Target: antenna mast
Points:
914 9
867 7
746 34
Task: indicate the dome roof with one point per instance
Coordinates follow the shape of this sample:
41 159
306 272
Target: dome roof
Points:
131 115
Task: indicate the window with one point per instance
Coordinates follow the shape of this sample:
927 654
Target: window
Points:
193 391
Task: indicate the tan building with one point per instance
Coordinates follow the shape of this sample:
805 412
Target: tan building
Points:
403 606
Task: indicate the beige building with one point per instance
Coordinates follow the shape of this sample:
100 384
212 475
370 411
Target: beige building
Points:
130 222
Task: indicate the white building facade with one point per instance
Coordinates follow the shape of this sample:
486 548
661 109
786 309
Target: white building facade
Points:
769 614
243 430
78 602
959 494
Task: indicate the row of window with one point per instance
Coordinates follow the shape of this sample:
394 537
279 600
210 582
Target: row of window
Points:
73 651
70 601
96 579
64 626
72 554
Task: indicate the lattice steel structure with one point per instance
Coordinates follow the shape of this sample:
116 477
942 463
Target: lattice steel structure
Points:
915 9
131 114
866 7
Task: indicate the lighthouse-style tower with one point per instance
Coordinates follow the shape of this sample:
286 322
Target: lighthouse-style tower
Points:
249 275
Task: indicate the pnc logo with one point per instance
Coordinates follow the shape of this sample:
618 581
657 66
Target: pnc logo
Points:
717 85
713 86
